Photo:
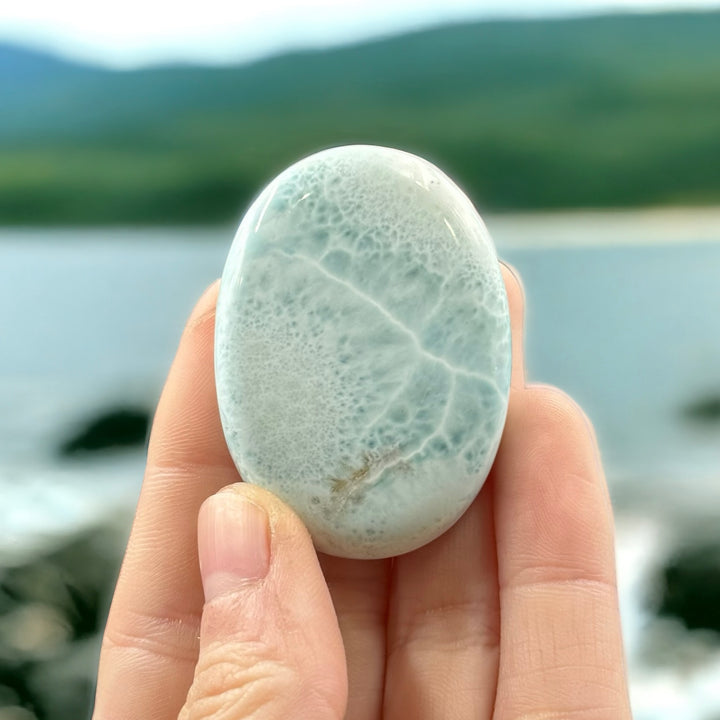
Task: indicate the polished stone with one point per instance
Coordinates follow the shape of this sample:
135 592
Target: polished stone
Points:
362 349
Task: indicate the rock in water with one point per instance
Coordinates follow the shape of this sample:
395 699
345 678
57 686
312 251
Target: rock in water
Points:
362 349
123 427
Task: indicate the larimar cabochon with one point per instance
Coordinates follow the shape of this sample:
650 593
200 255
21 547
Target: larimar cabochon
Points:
362 349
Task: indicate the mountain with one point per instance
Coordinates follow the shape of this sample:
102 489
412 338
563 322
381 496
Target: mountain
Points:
605 111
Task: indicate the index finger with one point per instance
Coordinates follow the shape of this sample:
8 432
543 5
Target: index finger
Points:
150 644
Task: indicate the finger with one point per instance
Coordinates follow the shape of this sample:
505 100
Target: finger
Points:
561 650
270 646
150 644
444 625
516 303
359 591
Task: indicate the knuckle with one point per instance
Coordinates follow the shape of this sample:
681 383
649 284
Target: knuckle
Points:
449 627
239 683
611 711
248 680
159 636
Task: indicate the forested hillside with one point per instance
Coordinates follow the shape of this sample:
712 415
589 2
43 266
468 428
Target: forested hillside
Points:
597 112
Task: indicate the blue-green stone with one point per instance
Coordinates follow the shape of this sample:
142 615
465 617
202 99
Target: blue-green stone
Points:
362 349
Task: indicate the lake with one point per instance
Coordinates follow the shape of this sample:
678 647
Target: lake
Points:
627 326
623 312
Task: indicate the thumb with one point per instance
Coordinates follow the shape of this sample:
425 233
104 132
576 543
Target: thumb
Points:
270 646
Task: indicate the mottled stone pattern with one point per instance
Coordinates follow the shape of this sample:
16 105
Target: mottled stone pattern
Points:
363 349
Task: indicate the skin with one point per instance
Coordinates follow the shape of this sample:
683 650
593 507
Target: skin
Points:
512 614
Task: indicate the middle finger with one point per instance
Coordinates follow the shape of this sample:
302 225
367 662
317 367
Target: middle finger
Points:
443 632
359 590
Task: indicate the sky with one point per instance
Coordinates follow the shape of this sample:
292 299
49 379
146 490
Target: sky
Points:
139 32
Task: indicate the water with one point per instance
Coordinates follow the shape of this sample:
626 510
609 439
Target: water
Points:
89 319
622 312
630 330
633 333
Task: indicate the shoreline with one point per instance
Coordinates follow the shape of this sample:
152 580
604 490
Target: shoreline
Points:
674 225
606 228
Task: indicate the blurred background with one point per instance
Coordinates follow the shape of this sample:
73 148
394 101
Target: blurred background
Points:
133 138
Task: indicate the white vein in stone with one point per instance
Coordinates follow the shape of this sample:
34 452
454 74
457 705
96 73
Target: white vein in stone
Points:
391 318
441 426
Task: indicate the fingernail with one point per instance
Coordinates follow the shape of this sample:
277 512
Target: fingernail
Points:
233 543
205 304
515 273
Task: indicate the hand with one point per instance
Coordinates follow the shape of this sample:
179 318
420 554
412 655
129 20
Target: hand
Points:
513 613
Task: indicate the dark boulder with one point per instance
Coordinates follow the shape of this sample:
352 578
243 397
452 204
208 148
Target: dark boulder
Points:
124 427
689 588
704 410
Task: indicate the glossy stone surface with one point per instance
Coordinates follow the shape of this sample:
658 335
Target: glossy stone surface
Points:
362 349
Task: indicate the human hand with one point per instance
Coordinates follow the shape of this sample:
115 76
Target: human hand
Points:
512 613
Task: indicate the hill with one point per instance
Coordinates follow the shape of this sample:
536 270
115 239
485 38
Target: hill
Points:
594 112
